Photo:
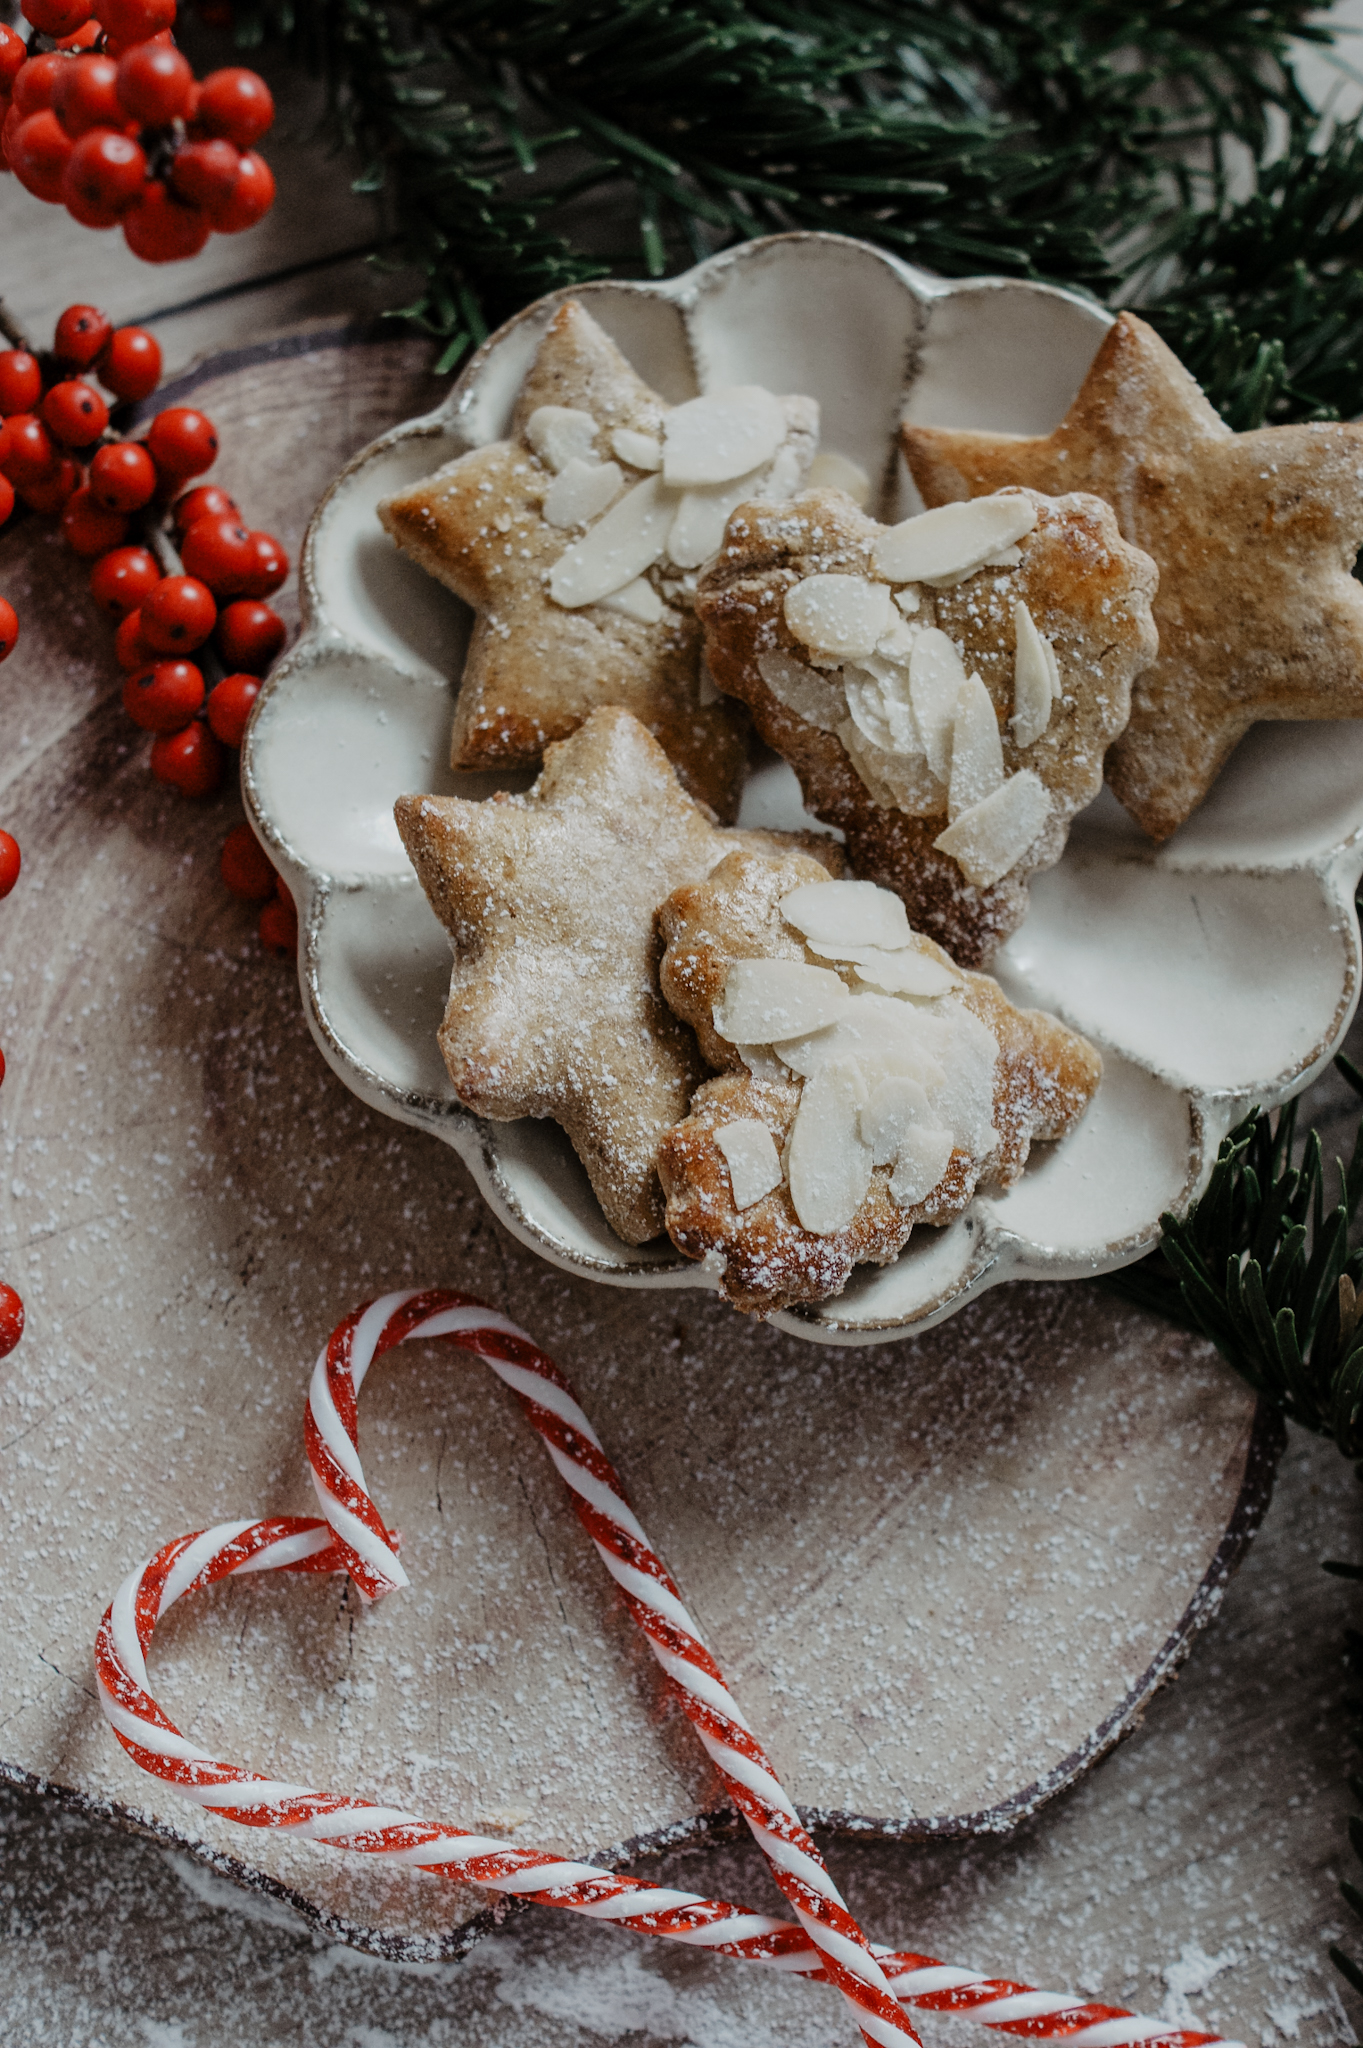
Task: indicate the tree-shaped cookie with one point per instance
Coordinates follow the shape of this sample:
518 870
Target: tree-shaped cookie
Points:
945 689
1255 536
577 540
550 899
870 1085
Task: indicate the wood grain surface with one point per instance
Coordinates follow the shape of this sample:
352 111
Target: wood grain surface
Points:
185 1191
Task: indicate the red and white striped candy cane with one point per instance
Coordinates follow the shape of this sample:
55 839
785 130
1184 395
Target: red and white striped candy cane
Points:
826 1944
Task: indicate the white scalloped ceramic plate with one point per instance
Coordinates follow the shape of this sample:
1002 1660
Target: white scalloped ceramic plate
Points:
1218 970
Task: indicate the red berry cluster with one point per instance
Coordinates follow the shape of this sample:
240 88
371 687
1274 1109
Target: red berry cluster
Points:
11 1307
114 496
111 123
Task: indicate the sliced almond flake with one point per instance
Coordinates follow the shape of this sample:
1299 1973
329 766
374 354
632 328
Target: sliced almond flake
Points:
784 478
922 1161
976 749
909 973
899 781
819 700
884 1032
1006 558
855 913
725 434
629 539
640 451
896 702
582 491
829 1161
897 642
894 1104
963 1099
841 616
909 599
762 1063
698 529
952 540
936 673
833 472
866 702
560 434
638 600
767 1001
1032 668
752 1159
989 840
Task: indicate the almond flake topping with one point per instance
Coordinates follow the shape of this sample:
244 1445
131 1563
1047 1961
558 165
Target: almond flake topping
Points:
990 839
936 674
725 434
752 1159
766 1001
640 451
909 973
698 529
976 749
631 538
842 616
817 699
899 1125
829 1160
1036 679
582 491
855 913
561 433
830 472
952 540
638 600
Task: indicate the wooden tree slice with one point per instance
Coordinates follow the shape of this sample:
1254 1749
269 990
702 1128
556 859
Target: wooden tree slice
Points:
943 1577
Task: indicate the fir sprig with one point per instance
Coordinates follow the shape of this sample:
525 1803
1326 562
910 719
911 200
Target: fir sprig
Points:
1088 144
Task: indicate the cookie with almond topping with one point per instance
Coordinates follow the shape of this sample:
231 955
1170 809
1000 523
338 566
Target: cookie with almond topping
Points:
945 689
577 539
869 1084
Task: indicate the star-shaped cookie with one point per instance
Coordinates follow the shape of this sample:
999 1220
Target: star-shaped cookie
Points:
1255 536
881 734
550 899
586 455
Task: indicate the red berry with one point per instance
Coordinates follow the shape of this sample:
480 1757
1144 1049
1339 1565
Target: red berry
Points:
84 98
6 499
120 580
2 1067
37 152
131 650
182 442
13 54
229 707
205 501
122 476
51 492
21 381
84 39
89 527
178 615
57 17
250 199
250 635
205 172
164 698
220 553
130 366
9 633
235 103
161 229
75 413
11 1319
279 928
190 761
28 453
134 21
269 566
246 867
153 83
36 81
104 176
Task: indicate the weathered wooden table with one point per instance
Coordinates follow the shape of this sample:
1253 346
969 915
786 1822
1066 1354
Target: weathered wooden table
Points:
1194 1873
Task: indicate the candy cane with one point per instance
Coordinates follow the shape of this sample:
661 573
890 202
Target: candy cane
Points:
826 1944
